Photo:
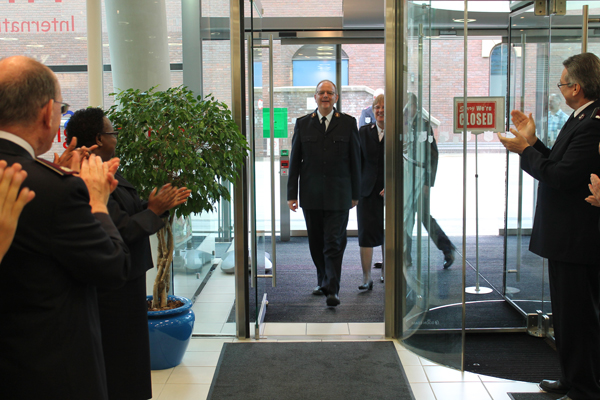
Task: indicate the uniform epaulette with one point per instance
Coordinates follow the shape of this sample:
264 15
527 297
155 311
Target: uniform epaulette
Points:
595 113
63 171
307 115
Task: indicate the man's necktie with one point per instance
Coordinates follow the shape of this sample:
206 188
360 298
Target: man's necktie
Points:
324 122
381 135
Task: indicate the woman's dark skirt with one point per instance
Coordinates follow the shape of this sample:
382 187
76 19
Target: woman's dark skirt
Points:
369 212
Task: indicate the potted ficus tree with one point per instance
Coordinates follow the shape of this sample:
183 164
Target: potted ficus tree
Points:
175 137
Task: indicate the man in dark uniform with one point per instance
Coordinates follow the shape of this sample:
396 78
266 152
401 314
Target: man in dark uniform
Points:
565 227
65 246
326 159
423 158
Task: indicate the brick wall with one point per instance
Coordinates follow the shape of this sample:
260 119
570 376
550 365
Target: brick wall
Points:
365 66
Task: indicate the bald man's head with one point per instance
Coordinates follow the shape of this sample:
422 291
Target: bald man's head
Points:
25 87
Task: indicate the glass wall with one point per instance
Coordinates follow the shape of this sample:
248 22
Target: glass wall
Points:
480 197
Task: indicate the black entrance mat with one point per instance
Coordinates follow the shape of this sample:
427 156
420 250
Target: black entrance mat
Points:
534 396
314 370
514 356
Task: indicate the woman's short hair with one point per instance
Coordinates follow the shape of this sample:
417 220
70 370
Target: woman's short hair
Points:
377 100
86 124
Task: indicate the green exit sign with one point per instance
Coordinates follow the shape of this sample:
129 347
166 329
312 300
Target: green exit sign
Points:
280 125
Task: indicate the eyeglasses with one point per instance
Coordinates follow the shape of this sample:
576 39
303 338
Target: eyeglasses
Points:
322 92
563 84
110 133
64 107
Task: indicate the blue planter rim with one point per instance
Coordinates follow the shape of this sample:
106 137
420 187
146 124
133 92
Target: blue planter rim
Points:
187 304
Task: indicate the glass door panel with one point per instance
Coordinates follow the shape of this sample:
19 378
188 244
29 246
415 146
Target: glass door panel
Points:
526 273
432 316
260 180
539 46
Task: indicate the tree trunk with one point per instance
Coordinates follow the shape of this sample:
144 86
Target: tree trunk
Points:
165 258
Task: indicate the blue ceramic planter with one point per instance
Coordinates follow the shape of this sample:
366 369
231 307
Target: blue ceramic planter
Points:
170 333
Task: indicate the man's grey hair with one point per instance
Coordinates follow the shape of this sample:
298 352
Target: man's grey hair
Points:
23 94
325 80
584 69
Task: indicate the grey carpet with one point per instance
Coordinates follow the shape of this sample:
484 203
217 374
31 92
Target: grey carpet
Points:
292 301
534 396
328 370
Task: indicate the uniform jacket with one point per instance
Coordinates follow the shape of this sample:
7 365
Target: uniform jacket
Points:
135 224
325 166
127 357
50 333
370 158
423 149
565 226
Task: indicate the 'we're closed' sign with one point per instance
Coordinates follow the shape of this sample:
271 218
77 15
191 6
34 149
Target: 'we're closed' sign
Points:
483 114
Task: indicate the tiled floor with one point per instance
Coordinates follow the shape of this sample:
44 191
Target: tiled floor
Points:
429 381
192 378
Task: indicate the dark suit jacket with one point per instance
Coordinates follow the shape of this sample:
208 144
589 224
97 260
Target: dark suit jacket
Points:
369 161
428 152
127 356
565 227
326 163
50 334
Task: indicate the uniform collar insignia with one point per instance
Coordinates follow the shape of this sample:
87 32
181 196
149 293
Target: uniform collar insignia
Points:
55 167
581 116
337 114
313 115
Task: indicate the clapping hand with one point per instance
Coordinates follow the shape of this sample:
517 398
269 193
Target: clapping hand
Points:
73 156
12 201
100 180
594 186
167 198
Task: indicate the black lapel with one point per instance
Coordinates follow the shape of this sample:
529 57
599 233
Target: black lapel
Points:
573 122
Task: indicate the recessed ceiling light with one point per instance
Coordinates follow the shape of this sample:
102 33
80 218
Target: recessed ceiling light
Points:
9 38
80 38
34 45
462 20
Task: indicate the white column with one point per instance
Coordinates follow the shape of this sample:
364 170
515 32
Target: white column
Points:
139 50
94 52
191 15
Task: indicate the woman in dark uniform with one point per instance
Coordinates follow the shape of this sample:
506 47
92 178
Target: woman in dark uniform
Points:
370 206
124 312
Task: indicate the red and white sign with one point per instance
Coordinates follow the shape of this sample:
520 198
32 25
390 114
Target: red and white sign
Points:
484 114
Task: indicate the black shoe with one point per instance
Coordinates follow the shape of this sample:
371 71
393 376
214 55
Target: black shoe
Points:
333 300
553 386
378 265
365 286
317 291
448 258
381 279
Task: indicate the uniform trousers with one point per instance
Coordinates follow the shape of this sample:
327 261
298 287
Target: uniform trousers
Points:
575 298
327 241
437 235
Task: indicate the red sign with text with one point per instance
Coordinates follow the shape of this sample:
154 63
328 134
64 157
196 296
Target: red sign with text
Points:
480 115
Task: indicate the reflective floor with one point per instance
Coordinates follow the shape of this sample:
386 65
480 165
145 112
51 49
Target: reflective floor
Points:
192 378
429 381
